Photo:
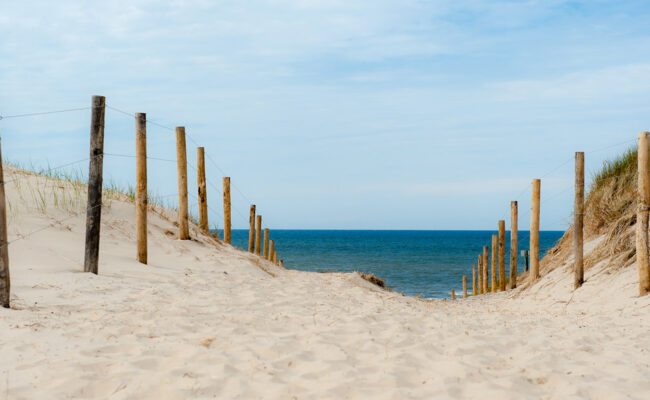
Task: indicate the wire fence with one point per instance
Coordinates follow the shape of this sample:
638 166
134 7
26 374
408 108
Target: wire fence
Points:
50 171
192 166
526 189
34 114
50 225
235 207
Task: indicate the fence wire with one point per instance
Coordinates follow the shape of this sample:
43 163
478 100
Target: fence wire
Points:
193 167
51 225
33 114
234 185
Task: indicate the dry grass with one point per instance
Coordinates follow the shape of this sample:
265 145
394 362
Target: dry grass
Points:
610 211
41 189
375 280
612 195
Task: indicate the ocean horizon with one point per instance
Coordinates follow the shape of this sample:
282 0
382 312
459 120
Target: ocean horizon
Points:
428 263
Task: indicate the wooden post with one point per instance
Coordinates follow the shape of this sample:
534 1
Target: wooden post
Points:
5 282
464 285
578 212
275 257
141 200
266 243
258 236
643 202
514 238
525 254
534 231
502 255
181 160
474 293
201 185
271 250
251 230
486 267
282 263
453 294
495 249
480 274
226 210
94 207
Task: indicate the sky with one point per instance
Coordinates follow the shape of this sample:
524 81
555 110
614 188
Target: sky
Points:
336 114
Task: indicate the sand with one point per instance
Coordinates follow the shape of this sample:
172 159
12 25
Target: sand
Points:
210 321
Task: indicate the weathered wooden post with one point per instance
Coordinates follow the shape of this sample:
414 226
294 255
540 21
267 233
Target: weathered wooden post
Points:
258 236
495 249
275 257
514 237
181 160
5 282
464 285
453 294
486 267
271 250
480 274
534 231
141 200
502 255
201 185
226 210
266 243
251 230
474 280
282 263
524 254
643 202
94 207
578 212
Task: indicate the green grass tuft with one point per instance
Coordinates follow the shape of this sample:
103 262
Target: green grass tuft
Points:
622 166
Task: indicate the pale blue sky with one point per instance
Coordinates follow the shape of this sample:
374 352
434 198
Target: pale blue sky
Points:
339 114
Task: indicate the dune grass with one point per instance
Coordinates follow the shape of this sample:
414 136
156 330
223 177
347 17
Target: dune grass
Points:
610 211
622 168
66 189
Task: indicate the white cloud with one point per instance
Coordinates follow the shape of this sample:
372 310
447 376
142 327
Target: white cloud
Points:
592 84
370 91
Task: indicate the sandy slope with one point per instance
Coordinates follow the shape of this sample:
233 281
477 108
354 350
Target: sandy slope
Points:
205 321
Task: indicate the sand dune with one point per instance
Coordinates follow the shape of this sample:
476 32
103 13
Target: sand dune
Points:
205 320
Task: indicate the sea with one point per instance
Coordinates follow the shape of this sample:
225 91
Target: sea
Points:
426 263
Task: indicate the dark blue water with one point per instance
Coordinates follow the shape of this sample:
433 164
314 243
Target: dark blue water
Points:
430 263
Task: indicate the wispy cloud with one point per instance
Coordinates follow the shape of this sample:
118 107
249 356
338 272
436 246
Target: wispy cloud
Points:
328 94
588 84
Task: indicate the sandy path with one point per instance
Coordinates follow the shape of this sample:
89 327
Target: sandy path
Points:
201 322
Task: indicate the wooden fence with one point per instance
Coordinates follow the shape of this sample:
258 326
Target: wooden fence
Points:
642 239
95 191
480 284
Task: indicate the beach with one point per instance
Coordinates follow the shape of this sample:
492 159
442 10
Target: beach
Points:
206 320
348 200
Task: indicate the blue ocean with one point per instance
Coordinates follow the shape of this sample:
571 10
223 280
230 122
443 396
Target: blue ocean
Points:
427 263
